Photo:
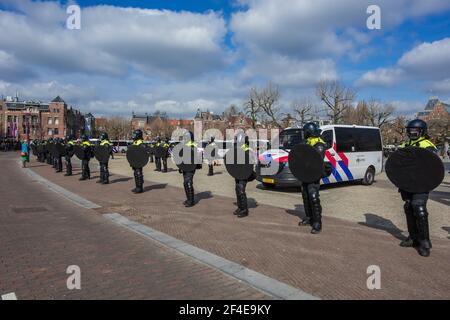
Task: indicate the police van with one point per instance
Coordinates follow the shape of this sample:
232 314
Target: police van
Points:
354 152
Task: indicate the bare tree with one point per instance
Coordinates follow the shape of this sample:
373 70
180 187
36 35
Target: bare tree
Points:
267 103
229 112
337 98
118 128
252 108
379 114
302 111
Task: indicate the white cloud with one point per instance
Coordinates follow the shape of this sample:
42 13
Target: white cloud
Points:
112 40
427 61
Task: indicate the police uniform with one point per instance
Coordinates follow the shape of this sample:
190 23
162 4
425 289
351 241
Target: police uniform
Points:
69 149
158 159
188 177
165 146
210 161
240 186
138 175
86 172
310 191
415 206
58 159
104 171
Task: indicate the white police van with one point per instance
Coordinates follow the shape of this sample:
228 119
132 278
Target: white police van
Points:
354 152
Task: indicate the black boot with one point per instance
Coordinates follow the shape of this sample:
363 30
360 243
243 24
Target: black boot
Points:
139 181
243 209
307 208
411 240
102 174
106 176
210 170
190 195
421 214
68 169
316 214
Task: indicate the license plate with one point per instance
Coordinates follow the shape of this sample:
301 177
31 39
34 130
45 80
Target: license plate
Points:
266 180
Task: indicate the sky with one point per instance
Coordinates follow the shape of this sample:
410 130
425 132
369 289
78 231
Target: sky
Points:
177 56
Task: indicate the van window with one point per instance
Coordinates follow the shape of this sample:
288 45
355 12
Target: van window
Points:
327 136
367 140
290 138
358 140
344 139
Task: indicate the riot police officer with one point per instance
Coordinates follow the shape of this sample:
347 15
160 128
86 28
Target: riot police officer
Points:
138 175
242 142
415 206
310 191
211 161
188 176
104 172
69 144
58 157
158 144
165 146
48 154
87 147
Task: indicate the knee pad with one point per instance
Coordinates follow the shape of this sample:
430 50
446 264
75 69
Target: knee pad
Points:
407 207
420 211
314 197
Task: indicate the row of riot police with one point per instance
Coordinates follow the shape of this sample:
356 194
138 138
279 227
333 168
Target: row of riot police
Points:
304 159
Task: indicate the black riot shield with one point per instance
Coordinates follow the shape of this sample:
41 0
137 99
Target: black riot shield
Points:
186 158
102 153
40 148
415 170
80 152
70 151
305 163
34 150
239 163
211 152
60 150
137 156
159 151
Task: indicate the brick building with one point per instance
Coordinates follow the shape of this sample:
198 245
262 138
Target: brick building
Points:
435 109
53 119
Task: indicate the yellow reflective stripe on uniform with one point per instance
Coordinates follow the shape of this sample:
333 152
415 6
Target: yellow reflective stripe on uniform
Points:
420 143
245 147
86 143
191 144
138 142
312 141
105 142
71 142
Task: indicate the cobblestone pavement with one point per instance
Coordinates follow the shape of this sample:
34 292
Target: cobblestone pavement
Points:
332 265
41 234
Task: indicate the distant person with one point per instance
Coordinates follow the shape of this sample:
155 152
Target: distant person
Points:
24 154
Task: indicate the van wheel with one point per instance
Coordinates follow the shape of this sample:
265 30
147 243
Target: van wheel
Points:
369 177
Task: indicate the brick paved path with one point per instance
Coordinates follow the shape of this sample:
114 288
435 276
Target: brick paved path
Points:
332 265
41 234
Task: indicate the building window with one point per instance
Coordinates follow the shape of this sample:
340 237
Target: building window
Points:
55 131
49 120
56 121
49 132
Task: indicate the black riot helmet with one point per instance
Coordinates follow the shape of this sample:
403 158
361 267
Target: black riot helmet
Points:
158 139
188 136
167 140
137 134
104 136
84 137
212 139
416 128
311 129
